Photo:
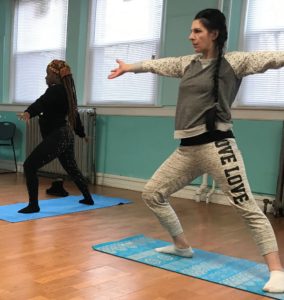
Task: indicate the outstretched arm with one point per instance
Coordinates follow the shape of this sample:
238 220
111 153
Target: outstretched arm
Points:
247 63
170 66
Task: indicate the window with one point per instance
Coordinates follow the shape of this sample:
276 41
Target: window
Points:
39 36
129 30
263 30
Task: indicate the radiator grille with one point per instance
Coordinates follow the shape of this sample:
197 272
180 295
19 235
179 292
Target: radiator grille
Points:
84 152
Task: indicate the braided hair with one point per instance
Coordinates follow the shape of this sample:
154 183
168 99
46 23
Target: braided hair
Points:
214 19
62 69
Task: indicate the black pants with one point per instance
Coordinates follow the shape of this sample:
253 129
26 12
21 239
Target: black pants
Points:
59 144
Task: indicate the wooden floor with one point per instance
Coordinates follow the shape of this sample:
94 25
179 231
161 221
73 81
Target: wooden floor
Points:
52 258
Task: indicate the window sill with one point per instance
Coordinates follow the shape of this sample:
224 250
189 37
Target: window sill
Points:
251 113
169 111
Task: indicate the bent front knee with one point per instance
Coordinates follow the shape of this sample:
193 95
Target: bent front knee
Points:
152 199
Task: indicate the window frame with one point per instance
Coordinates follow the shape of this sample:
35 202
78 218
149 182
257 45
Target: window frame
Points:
125 104
13 53
263 111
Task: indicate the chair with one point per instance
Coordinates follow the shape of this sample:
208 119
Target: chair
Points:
7 133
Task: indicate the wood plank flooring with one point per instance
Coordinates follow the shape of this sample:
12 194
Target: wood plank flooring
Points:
52 258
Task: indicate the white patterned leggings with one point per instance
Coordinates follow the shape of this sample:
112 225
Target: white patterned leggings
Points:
223 161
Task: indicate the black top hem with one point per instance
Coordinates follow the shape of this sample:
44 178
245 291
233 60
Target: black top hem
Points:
207 137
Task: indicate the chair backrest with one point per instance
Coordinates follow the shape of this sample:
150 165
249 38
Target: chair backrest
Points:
7 130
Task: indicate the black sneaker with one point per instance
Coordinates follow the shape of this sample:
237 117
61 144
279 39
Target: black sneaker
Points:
57 189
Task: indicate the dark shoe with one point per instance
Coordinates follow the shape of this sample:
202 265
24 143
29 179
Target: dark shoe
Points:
57 189
87 201
31 208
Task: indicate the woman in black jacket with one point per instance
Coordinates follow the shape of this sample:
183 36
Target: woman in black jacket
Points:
58 118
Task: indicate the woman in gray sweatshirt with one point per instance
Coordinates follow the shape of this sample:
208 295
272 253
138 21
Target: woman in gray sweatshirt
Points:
210 80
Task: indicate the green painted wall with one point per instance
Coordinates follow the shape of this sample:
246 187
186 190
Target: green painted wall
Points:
134 146
77 35
6 8
260 144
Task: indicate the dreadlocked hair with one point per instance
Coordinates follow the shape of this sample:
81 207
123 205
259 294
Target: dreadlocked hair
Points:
62 69
69 85
214 19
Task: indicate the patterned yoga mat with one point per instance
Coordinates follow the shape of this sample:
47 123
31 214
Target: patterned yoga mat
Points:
221 269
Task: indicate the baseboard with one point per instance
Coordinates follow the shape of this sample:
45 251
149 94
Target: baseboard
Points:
190 192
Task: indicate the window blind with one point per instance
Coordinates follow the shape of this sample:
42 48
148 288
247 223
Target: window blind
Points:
263 30
39 36
122 29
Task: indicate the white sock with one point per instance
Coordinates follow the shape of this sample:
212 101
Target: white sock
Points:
275 284
172 249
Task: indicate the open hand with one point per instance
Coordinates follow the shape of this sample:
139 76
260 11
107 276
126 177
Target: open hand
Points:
25 116
120 70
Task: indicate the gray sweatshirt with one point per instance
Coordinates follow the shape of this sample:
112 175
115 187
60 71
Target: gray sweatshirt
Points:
195 95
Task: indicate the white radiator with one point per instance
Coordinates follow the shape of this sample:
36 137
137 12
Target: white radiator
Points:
84 152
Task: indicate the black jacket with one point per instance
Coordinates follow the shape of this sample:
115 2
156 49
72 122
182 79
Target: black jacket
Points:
52 109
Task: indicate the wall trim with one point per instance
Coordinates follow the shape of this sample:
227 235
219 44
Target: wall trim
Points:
248 113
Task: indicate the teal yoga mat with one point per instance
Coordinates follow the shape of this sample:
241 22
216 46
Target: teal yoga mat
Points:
57 207
225 270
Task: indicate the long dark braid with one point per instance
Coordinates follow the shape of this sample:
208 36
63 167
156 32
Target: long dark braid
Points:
214 19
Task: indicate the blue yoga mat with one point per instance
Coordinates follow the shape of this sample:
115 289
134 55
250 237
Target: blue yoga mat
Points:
56 207
225 270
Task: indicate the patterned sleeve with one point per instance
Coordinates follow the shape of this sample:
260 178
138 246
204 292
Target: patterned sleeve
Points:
247 63
170 66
